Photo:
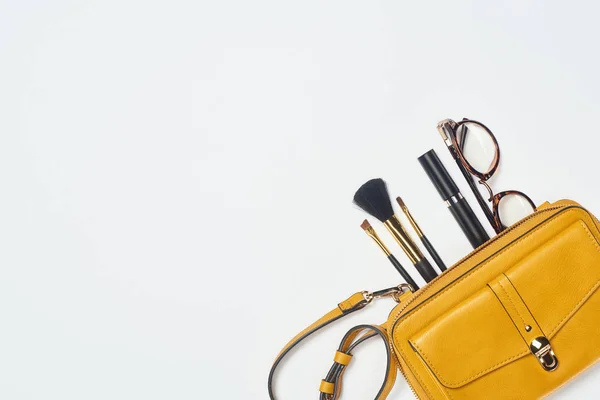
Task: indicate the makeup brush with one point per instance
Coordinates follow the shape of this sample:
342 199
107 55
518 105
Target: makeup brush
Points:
373 198
371 232
421 235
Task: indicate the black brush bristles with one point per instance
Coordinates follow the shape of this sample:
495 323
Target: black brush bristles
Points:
373 197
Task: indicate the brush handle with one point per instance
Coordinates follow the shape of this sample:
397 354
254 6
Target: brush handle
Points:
426 270
436 258
402 271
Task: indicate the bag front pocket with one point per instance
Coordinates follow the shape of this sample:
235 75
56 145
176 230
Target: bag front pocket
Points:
527 331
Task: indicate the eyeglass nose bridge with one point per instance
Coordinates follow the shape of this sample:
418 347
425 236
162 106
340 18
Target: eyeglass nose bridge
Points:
489 189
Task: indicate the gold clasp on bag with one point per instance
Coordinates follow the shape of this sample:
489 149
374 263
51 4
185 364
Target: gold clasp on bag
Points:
541 349
393 292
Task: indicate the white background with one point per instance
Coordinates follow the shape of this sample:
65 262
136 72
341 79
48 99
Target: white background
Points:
177 177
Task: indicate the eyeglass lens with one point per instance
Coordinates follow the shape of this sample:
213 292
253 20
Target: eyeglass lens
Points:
477 146
479 150
513 208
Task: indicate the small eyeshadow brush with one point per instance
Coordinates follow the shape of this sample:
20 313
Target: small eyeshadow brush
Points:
371 232
373 197
436 257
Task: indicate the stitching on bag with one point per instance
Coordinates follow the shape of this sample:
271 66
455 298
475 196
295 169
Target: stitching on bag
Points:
530 314
592 238
436 370
574 308
511 302
470 377
585 297
519 241
414 371
476 269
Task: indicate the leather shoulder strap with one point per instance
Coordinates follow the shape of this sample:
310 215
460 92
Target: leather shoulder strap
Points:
331 386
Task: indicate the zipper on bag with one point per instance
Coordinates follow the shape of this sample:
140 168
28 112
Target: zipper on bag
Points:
544 207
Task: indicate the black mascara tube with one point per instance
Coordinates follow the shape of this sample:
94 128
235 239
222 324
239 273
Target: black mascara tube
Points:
457 204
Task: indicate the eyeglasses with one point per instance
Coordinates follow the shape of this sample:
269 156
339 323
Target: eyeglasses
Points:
475 149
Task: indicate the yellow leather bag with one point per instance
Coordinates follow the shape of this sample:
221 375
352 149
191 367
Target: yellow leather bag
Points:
515 319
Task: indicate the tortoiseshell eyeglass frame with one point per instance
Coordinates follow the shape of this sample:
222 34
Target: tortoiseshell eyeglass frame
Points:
458 141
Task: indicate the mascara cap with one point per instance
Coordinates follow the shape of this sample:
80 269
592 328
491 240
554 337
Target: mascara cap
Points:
438 175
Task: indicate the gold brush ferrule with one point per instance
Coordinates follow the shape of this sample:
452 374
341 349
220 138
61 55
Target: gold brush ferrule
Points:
409 217
399 233
371 232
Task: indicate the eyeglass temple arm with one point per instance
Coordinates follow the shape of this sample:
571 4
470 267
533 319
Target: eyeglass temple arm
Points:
447 129
482 203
